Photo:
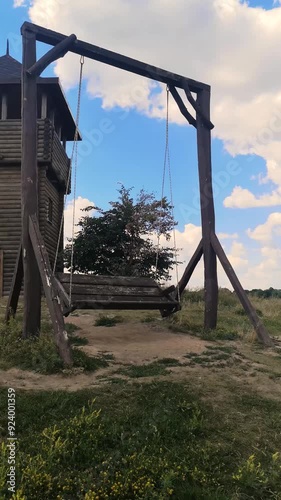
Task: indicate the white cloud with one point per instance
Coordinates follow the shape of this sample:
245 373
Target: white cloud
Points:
80 204
226 236
243 198
19 3
236 53
266 233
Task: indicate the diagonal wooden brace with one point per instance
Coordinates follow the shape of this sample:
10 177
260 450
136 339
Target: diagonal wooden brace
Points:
196 107
55 53
51 293
184 111
243 297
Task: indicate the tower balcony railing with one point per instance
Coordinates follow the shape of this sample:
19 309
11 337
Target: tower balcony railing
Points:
50 150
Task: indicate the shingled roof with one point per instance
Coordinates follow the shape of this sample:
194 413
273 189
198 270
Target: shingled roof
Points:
9 68
10 74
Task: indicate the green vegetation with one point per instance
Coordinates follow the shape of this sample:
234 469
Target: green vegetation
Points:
108 320
269 293
161 440
118 241
233 323
39 353
149 370
207 435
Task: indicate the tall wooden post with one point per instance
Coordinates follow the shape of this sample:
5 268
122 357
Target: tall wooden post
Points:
207 210
29 179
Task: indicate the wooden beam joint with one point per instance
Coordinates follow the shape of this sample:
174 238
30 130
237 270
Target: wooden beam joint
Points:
55 53
184 111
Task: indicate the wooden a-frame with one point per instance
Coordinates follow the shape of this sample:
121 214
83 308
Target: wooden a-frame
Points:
33 264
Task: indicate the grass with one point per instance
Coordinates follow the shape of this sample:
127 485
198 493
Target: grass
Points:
39 353
160 440
108 320
204 438
232 321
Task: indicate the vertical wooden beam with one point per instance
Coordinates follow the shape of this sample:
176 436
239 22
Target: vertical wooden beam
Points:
1 272
207 210
4 107
44 105
52 116
29 180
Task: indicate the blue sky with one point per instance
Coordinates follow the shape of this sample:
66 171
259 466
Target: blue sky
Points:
132 152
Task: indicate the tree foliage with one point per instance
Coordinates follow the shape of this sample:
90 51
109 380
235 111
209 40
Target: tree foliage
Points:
119 241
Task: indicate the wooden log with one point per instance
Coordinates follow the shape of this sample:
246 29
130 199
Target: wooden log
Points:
16 285
117 60
1 272
190 267
261 331
207 211
184 111
32 282
55 53
51 292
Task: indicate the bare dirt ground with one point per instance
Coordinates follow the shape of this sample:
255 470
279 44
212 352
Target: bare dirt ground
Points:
134 343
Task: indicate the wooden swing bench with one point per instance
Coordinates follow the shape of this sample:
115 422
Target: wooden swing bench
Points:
114 292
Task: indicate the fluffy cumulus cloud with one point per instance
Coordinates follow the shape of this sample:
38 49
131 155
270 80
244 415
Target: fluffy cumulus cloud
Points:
269 231
80 205
226 43
236 53
243 198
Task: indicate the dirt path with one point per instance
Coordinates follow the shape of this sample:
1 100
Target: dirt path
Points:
136 343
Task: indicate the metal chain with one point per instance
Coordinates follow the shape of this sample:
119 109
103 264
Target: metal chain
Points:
167 161
163 179
73 161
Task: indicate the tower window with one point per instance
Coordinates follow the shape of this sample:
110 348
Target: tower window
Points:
50 211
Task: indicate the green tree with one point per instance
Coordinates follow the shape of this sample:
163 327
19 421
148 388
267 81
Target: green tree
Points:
118 241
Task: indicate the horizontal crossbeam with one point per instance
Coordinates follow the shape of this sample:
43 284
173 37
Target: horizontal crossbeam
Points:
114 59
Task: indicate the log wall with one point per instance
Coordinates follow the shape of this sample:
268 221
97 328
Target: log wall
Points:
10 216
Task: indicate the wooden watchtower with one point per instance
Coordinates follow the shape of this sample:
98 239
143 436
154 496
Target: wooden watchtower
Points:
56 126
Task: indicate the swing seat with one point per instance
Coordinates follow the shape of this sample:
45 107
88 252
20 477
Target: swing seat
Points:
115 292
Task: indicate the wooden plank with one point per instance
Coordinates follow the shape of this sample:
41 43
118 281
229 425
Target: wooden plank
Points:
122 305
51 292
243 297
207 211
1 273
190 267
66 307
92 279
113 59
122 298
32 282
81 289
16 285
